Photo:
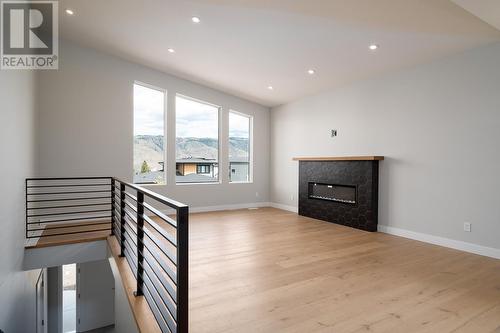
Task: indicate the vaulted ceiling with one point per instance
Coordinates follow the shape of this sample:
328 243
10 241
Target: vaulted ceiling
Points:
244 46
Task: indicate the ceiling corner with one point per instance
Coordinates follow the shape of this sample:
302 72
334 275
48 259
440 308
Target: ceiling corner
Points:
486 10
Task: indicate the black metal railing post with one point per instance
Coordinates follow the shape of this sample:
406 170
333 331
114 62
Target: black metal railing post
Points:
112 206
140 244
182 269
122 219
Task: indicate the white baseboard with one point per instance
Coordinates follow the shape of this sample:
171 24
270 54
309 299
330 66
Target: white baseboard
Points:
236 206
284 207
446 242
228 207
220 207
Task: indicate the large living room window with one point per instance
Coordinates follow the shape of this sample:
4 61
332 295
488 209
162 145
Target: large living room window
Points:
149 134
197 141
240 165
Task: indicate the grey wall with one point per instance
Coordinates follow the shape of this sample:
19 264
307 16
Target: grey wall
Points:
438 126
86 125
17 117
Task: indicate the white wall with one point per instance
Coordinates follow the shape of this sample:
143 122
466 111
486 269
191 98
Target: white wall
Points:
51 256
438 126
95 306
17 119
86 125
124 318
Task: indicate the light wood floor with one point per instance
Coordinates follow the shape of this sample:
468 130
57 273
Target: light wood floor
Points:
268 270
88 232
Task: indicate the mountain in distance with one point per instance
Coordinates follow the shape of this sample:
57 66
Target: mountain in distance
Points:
151 148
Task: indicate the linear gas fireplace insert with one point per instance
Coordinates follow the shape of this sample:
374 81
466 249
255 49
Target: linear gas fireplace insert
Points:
341 190
332 192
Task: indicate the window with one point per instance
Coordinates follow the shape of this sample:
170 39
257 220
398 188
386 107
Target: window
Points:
149 135
240 127
203 168
197 141
69 298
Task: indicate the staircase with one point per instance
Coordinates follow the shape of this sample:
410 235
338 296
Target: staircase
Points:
148 230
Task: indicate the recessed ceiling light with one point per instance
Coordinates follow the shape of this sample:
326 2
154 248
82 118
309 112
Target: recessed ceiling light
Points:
373 47
311 71
171 50
70 11
270 87
195 19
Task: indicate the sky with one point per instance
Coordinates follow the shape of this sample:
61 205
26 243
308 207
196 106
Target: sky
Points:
193 119
148 111
239 126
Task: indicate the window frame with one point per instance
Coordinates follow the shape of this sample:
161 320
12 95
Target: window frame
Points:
165 124
219 132
250 147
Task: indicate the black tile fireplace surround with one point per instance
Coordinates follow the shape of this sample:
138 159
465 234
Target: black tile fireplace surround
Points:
340 191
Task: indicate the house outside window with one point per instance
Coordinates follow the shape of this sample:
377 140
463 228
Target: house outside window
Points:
197 141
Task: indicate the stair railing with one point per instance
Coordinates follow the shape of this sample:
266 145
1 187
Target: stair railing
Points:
152 231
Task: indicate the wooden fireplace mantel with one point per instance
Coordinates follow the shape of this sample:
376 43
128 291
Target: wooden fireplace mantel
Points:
340 158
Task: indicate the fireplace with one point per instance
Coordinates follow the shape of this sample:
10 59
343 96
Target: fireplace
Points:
341 190
339 193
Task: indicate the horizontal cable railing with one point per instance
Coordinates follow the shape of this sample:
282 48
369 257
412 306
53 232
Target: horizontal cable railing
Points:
62 206
151 229
153 234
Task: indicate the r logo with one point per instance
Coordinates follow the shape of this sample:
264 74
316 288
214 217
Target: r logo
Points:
27 28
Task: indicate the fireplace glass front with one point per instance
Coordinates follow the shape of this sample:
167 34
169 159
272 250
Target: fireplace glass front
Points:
331 192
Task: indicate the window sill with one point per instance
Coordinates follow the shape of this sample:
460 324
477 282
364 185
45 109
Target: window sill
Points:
242 182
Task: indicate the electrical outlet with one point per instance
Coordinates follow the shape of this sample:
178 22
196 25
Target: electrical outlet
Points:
333 133
256 194
467 227
291 197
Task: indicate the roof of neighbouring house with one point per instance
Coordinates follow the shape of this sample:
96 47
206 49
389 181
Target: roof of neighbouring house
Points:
195 160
